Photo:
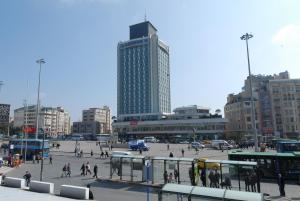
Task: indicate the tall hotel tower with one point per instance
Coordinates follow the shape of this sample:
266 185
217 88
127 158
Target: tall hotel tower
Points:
143 72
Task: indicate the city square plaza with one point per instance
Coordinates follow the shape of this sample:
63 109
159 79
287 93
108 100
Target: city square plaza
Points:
109 187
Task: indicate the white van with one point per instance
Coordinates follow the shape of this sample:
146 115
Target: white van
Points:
150 139
121 153
219 144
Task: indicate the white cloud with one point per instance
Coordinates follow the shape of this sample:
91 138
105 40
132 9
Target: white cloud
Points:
287 35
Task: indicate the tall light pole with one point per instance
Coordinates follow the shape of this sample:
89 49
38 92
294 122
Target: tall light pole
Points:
40 61
246 37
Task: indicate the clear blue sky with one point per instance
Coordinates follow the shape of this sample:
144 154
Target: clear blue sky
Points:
78 39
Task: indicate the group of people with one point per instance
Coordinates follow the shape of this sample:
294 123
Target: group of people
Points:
86 168
250 181
66 171
214 179
171 177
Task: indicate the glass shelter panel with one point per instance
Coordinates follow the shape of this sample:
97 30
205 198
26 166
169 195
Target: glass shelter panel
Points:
137 169
183 168
229 176
158 172
115 164
126 169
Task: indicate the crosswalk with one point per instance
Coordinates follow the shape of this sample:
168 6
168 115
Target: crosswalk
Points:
5 169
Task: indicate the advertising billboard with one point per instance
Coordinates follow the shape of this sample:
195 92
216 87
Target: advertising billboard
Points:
4 113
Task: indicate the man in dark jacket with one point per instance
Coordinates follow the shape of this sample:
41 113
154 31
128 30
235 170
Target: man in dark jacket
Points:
281 185
27 178
95 171
83 169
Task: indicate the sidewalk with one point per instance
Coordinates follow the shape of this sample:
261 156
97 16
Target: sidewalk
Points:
5 169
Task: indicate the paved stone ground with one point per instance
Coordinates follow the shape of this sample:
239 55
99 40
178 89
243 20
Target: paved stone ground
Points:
109 191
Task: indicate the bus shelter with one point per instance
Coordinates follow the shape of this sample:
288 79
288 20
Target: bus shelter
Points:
172 170
177 192
127 168
239 175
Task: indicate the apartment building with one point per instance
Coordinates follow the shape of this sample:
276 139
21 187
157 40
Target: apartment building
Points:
52 120
285 97
94 121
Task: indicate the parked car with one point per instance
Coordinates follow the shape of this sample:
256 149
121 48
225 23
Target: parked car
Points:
197 145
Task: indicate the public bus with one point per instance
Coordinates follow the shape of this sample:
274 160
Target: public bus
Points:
271 163
288 146
103 138
29 146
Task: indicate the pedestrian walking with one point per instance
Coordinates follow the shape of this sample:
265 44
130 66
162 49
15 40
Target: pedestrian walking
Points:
92 153
82 170
95 171
50 159
182 152
203 177
176 175
217 179
106 154
170 179
253 180
75 151
281 185
247 181
171 155
64 171
165 176
191 175
88 168
27 178
141 151
81 153
69 170
38 158
168 147
33 158
211 178
102 154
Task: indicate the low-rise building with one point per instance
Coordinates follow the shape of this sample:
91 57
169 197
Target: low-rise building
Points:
101 115
94 121
186 123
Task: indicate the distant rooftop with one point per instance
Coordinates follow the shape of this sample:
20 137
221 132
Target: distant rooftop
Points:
143 29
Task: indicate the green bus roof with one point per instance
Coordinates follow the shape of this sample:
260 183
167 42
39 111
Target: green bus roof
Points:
275 154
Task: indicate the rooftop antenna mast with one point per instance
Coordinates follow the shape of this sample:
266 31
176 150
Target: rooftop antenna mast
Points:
145 17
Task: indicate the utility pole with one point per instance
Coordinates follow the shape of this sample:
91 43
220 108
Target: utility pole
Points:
246 37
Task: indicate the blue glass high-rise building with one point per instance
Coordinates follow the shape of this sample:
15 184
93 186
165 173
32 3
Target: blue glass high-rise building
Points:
143 72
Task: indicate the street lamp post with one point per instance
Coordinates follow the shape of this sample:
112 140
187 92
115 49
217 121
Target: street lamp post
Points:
40 62
246 37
